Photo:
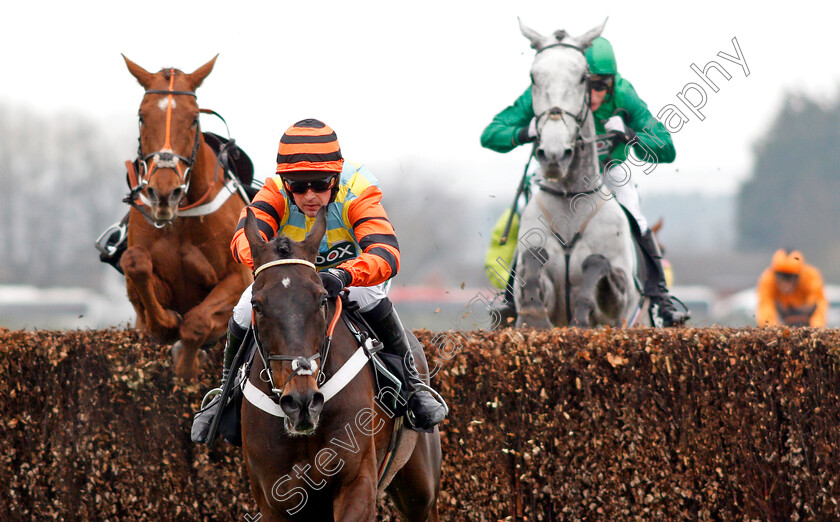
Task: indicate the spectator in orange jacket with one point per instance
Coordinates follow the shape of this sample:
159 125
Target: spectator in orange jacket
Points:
790 292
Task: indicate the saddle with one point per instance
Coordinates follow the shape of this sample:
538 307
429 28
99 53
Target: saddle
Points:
233 159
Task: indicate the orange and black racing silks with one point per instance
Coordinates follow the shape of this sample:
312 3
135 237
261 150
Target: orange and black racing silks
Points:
359 237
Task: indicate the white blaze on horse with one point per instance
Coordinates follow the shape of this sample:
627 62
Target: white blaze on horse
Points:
576 257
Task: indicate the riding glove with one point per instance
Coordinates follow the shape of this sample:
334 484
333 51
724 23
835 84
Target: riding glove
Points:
621 132
529 133
335 280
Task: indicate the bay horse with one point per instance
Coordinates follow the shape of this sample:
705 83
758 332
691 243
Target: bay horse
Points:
576 253
320 453
180 276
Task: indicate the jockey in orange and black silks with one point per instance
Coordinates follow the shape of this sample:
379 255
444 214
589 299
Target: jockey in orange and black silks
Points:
359 251
360 239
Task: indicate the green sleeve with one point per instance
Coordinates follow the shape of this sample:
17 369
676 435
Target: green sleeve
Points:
502 135
652 134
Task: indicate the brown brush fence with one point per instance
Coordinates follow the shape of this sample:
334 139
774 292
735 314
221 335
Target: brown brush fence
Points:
694 424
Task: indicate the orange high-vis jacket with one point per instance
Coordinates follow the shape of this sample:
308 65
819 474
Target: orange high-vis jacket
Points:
773 306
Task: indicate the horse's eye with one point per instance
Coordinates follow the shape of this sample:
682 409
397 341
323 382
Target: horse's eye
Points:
583 78
324 301
140 120
195 122
257 308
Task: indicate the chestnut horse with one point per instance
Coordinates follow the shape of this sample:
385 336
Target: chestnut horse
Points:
320 453
179 273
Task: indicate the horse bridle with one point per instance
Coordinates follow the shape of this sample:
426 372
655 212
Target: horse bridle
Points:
166 157
301 366
554 113
138 178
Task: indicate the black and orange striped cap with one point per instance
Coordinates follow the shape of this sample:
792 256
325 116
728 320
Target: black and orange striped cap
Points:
309 145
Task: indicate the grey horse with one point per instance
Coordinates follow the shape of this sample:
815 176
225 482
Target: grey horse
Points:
576 257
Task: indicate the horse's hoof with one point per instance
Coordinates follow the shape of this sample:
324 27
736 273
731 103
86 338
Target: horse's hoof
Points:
176 350
136 262
184 369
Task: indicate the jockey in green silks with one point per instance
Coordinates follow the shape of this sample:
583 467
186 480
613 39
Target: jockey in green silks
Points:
616 109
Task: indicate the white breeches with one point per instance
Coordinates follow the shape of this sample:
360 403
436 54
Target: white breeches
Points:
618 180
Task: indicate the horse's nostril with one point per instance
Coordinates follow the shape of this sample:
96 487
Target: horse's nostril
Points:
317 403
567 155
153 196
289 405
176 195
541 156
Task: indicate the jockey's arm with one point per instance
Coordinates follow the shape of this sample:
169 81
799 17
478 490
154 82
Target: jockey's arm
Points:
268 207
502 134
816 295
380 257
766 313
654 138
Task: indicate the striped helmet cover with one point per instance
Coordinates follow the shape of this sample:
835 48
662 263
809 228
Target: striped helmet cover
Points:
308 146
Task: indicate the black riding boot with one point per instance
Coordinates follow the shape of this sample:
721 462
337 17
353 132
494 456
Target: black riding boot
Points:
113 243
662 308
424 410
204 418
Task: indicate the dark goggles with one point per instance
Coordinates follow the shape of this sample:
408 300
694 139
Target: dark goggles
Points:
601 83
318 185
787 277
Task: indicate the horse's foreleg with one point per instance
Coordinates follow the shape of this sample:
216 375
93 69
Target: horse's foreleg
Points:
531 305
601 298
415 488
148 293
196 266
208 321
356 500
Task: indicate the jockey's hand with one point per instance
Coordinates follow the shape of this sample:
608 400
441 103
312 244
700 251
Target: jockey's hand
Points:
335 280
621 132
529 133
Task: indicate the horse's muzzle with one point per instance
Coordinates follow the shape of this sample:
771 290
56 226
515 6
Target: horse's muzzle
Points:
555 166
302 409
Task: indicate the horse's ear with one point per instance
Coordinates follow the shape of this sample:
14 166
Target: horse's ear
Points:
538 41
143 76
312 243
255 239
201 73
585 40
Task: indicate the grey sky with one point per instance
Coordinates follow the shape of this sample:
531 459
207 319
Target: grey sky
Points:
415 83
